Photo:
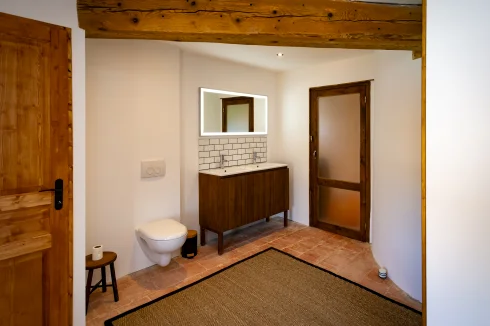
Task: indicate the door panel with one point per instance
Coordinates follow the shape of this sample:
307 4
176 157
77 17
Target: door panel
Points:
35 150
339 127
340 207
339 159
21 278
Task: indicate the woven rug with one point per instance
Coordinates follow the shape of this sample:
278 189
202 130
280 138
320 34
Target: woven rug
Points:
271 288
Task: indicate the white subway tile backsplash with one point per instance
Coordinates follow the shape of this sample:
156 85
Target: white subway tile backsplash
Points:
236 151
204 167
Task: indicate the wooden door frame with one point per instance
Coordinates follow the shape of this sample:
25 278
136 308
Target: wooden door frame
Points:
111 20
234 101
423 163
365 155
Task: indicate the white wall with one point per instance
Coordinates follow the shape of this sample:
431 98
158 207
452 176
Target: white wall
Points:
395 151
62 12
133 114
200 71
458 139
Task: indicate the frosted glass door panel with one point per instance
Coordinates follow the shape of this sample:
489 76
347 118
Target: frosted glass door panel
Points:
237 118
339 130
340 207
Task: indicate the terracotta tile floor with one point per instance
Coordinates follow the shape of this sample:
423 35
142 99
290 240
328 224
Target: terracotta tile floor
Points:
349 258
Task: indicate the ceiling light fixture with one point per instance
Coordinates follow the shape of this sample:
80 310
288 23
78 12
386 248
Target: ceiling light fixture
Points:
280 54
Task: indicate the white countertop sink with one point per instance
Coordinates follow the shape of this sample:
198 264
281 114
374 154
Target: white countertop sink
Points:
243 169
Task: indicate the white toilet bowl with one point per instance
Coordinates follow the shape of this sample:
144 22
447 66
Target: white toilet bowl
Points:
160 238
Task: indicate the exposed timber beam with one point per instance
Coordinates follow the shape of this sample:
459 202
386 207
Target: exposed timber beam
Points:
416 55
307 23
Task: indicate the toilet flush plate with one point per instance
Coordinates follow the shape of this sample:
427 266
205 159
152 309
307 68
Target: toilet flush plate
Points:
153 169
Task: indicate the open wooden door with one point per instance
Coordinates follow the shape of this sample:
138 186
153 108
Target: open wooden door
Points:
339 159
35 152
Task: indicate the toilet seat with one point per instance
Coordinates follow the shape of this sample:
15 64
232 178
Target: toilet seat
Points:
161 230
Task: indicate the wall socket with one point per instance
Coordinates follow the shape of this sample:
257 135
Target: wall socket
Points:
153 169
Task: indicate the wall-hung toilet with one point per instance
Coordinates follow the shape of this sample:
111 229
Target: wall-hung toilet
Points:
160 238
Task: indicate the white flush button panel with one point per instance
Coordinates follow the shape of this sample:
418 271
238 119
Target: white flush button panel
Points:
153 169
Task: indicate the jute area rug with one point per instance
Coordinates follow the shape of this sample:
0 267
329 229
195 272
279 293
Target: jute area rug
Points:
271 288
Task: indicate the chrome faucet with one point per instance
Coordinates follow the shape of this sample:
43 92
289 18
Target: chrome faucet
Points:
255 157
222 162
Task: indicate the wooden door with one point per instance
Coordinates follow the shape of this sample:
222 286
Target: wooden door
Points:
35 150
339 159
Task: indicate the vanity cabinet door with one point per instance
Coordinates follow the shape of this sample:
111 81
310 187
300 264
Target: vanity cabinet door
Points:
236 201
279 201
262 183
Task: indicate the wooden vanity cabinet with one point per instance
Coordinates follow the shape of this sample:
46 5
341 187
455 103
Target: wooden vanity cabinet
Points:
228 202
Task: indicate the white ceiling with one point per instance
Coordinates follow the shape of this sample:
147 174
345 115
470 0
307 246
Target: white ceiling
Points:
265 57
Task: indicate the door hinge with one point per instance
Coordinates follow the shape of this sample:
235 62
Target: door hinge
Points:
311 139
365 99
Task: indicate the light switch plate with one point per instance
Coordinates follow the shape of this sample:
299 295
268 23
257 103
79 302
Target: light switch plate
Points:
153 169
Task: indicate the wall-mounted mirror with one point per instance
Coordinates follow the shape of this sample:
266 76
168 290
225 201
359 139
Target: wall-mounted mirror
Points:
230 113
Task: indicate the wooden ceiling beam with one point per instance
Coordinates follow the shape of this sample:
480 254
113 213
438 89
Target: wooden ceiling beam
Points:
308 23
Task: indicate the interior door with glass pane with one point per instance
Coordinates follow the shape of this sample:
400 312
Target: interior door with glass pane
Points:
339 159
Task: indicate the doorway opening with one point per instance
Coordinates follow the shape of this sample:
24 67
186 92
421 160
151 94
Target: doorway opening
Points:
340 159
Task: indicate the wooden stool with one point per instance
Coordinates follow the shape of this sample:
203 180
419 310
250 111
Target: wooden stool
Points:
107 259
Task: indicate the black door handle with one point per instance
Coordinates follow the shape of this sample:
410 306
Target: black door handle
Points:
58 194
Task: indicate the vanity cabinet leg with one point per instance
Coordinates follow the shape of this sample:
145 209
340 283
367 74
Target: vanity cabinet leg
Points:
220 243
285 218
267 219
203 236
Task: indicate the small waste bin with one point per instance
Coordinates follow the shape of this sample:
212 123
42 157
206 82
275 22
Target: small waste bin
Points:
189 249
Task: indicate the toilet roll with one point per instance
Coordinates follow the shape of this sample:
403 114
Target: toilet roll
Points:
97 252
